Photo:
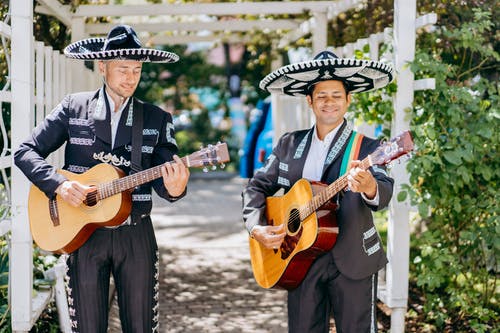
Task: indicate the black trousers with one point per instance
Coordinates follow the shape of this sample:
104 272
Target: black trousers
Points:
130 254
325 290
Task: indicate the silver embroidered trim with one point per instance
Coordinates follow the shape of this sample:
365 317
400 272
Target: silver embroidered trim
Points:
150 131
69 297
283 181
156 315
372 311
283 166
100 109
77 168
332 155
147 149
113 159
373 249
130 115
78 121
141 197
369 233
268 164
301 147
170 130
81 141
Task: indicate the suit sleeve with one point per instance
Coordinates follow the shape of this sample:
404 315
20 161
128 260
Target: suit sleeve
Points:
384 182
164 151
45 139
260 186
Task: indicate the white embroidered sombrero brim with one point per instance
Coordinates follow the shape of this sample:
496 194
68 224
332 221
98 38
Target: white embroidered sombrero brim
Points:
92 49
359 75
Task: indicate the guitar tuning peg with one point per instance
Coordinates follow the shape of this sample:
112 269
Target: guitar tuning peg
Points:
205 169
214 167
222 165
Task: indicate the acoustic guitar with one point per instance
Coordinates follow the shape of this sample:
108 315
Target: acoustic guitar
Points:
310 222
61 228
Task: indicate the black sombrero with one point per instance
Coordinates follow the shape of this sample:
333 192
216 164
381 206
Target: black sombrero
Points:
121 43
359 75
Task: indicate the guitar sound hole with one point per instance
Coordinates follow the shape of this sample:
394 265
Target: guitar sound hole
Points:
294 221
91 199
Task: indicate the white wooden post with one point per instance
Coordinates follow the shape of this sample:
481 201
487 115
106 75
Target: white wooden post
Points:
398 230
78 66
320 32
21 254
39 80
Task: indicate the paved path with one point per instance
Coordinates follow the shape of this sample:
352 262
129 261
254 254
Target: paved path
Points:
206 281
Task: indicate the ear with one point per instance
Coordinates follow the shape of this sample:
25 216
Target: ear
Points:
101 67
309 100
349 99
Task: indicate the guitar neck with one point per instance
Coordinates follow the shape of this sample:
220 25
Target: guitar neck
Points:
126 183
329 192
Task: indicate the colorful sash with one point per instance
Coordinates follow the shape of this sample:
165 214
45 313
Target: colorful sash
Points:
352 151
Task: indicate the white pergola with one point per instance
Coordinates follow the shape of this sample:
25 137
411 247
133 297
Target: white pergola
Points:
161 24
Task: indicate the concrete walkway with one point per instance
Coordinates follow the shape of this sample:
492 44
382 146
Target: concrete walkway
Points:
206 281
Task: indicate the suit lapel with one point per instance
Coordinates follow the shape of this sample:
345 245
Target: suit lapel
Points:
300 155
337 146
100 114
124 131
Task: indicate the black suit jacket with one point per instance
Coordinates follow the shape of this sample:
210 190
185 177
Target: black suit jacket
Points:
358 251
82 122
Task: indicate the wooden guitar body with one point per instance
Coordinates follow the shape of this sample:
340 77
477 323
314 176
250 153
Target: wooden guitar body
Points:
59 227
311 226
304 242
76 224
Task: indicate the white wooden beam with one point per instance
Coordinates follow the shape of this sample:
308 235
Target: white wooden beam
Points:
21 253
216 9
226 25
5 96
426 20
56 9
398 231
5 227
307 27
424 84
320 36
5 30
161 39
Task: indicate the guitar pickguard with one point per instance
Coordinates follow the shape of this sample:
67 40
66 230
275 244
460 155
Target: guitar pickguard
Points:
289 244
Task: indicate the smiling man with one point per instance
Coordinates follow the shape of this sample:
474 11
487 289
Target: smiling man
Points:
110 126
341 280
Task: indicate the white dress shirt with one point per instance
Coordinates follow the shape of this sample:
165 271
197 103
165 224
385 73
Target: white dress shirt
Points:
315 160
115 116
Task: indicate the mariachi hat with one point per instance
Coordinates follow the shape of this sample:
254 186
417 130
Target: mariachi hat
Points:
297 79
121 43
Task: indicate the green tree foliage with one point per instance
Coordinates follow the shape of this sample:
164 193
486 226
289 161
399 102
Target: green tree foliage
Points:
455 173
454 177
171 86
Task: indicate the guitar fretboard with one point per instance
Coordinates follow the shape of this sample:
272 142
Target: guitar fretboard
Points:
322 197
119 185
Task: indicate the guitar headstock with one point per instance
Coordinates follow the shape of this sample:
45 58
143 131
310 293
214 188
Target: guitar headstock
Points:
393 149
211 155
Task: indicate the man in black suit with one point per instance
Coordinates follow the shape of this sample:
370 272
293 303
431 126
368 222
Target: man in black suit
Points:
99 127
344 279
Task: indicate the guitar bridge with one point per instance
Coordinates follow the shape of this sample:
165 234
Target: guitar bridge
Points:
54 212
